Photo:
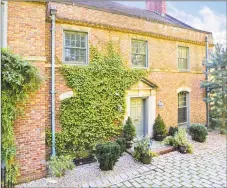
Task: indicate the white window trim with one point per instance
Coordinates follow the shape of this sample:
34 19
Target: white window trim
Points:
4 23
147 64
188 58
87 48
188 108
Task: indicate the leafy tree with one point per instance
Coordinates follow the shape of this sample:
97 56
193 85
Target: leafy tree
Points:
217 88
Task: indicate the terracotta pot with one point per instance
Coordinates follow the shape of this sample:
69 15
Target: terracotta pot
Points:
146 159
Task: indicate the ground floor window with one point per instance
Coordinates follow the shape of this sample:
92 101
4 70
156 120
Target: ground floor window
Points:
182 107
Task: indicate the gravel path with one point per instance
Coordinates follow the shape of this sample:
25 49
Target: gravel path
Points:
208 160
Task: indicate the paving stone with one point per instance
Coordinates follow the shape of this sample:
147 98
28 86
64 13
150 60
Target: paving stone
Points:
120 184
135 184
147 181
167 183
123 176
85 185
118 178
139 180
127 184
157 182
186 184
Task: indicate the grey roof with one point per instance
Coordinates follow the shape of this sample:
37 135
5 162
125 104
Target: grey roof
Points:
117 8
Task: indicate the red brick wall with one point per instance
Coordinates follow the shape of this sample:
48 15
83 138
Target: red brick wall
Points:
29 36
26 37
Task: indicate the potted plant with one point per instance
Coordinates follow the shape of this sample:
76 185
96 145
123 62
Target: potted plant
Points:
183 149
142 151
159 129
180 141
129 132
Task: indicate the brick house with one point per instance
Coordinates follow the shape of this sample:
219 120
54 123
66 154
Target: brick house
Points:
148 39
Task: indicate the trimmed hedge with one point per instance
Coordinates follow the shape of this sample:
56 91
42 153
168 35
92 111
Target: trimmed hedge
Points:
198 132
129 130
107 155
159 127
172 131
122 144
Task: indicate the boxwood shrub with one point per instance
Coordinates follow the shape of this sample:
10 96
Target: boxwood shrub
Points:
107 155
122 144
198 132
172 131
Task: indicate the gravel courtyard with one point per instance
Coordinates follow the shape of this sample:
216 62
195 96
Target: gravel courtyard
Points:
206 167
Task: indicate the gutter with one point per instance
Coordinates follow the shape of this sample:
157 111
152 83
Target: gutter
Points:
206 78
53 12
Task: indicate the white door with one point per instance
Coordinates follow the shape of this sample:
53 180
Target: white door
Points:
137 115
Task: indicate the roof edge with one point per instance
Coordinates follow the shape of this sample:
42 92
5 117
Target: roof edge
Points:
129 15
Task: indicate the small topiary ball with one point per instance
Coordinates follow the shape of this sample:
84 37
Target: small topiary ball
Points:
198 132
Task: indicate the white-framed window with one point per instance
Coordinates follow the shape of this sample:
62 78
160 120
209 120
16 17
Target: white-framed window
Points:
139 53
75 48
183 58
183 107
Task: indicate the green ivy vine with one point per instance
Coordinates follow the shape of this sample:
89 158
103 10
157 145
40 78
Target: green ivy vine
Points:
95 113
18 79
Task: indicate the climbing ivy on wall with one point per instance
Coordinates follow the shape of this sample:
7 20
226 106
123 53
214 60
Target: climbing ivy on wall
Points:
18 78
95 112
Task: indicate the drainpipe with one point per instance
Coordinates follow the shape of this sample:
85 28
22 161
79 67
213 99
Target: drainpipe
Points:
207 89
53 12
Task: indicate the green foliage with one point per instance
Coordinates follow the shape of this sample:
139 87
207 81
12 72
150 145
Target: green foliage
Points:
159 127
95 112
122 144
172 131
198 132
58 165
107 155
142 148
179 139
217 86
129 130
18 79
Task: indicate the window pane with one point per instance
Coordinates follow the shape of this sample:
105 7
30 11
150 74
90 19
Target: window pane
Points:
139 53
75 47
67 54
138 60
182 99
67 39
182 115
182 58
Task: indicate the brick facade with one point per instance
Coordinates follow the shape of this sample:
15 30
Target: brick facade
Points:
29 36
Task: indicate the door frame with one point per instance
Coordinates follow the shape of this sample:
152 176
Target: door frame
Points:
149 112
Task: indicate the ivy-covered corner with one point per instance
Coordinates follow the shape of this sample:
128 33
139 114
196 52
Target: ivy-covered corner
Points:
96 111
18 79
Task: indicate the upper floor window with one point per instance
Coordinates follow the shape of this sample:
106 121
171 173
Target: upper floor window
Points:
75 48
182 107
183 58
139 53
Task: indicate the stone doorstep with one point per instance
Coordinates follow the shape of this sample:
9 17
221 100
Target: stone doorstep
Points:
159 151
164 150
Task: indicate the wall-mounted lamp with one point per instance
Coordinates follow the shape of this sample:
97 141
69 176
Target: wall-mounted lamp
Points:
160 104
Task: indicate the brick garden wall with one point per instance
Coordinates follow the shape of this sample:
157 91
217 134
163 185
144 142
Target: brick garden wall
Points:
26 37
29 36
